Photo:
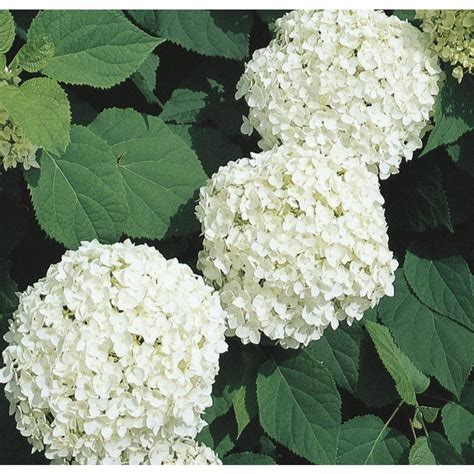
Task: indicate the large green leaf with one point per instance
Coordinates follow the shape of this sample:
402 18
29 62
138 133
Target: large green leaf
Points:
454 112
79 195
212 33
441 279
160 172
339 352
299 406
7 31
459 427
95 47
365 440
420 452
350 357
437 345
248 459
183 106
408 379
41 108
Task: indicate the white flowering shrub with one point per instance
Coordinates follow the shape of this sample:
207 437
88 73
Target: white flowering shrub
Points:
114 350
360 79
296 241
110 124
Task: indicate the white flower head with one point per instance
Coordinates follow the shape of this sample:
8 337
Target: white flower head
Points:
360 78
115 350
295 241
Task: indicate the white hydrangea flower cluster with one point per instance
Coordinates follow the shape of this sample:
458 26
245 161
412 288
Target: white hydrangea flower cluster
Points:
15 148
111 354
357 78
295 240
452 37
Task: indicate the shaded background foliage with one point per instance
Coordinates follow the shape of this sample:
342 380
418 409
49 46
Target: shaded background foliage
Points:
265 397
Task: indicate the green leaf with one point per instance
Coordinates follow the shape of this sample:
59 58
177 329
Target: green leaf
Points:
35 54
41 108
408 379
245 407
429 413
458 424
7 31
79 195
416 200
8 298
443 452
420 452
160 172
299 407
338 351
212 33
454 112
184 106
248 459
365 440
145 78
441 279
94 47
435 344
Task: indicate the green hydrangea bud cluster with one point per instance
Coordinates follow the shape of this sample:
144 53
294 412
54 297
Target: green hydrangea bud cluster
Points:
452 37
14 146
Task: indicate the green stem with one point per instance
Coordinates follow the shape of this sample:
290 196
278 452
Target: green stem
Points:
412 429
392 416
